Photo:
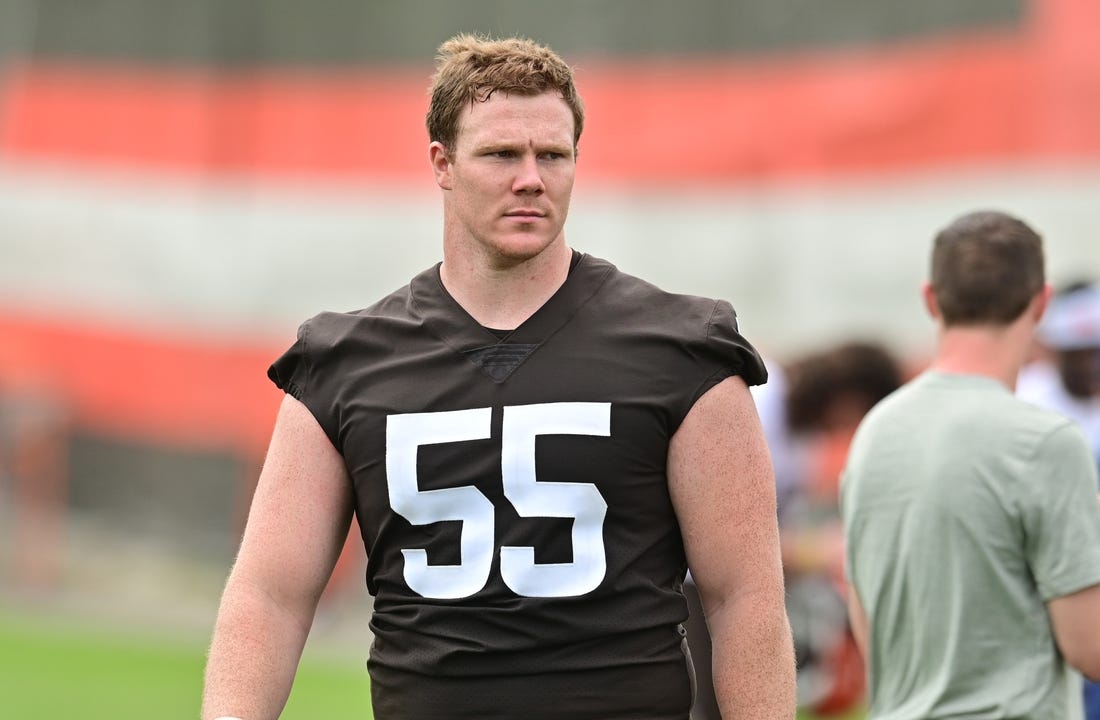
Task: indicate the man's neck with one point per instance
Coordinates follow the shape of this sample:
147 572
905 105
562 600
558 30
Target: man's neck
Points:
503 295
994 352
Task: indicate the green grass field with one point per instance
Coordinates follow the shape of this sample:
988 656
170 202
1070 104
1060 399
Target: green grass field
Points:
50 673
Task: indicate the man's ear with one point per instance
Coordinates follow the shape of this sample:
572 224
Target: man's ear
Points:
441 164
1040 302
930 304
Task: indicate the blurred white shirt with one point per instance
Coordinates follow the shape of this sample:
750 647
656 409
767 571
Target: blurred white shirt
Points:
1039 383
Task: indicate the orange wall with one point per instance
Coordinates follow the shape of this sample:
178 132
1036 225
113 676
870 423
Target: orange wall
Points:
966 99
178 390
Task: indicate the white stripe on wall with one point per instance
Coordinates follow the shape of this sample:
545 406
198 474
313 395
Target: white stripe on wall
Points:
805 264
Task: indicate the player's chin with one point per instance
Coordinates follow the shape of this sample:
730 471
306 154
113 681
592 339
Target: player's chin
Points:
520 246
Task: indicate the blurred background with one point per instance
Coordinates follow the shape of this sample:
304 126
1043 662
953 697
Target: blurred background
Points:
182 183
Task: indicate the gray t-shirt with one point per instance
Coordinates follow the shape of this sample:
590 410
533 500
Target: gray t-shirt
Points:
966 509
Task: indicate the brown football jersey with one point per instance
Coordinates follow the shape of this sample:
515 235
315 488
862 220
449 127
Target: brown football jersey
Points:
511 489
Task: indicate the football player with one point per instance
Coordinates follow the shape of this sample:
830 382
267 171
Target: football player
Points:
535 445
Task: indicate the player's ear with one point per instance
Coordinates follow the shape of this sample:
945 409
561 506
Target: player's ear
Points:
930 303
441 164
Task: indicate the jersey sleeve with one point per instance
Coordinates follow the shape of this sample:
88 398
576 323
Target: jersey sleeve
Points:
290 371
728 351
1061 515
300 373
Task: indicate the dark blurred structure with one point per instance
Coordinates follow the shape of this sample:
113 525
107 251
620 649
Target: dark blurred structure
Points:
343 33
157 440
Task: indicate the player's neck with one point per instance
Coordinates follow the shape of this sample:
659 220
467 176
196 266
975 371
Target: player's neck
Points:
502 295
997 353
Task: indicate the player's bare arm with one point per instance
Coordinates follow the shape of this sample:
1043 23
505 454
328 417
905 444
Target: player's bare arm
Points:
1076 622
723 489
297 525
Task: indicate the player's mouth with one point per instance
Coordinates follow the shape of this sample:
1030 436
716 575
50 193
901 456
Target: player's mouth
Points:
524 214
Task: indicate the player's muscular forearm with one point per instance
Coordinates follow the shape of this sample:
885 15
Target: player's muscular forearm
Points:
753 659
296 527
253 657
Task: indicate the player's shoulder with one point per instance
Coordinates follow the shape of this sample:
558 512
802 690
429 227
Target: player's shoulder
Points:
703 327
331 327
636 297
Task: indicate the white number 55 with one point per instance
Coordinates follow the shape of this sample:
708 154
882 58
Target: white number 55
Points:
522 424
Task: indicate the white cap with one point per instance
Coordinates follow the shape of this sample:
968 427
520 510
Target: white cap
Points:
1072 322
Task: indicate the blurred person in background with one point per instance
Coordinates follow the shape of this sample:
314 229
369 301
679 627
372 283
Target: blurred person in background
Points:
535 445
1065 377
970 516
829 393
810 408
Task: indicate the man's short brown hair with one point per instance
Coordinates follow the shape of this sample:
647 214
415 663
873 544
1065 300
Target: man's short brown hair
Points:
987 266
470 69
